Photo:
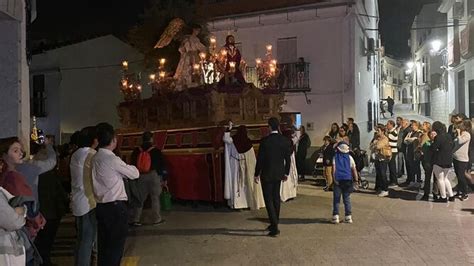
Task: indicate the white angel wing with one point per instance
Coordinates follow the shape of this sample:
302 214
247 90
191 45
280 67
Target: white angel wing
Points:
170 32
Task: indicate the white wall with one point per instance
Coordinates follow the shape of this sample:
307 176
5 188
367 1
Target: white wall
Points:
320 42
81 97
14 93
327 43
365 88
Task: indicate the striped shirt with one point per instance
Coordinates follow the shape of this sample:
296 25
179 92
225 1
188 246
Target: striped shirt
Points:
393 140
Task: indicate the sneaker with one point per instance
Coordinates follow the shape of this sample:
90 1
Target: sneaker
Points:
464 197
335 219
383 194
348 219
393 185
136 224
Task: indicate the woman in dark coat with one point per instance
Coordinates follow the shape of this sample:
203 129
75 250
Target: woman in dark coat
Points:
303 144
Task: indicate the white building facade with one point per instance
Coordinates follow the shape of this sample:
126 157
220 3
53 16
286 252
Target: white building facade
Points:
77 85
333 37
460 54
15 15
393 76
429 73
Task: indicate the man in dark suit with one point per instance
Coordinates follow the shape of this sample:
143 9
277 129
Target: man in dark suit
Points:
273 166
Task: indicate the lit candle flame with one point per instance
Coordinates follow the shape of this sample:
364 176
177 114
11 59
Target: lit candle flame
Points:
269 47
223 52
213 40
258 61
162 74
139 87
125 64
202 55
196 66
162 61
272 70
124 83
274 62
152 76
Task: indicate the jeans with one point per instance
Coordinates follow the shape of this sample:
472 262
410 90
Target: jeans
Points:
400 163
413 168
460 168
381 176
428 168
443 182
150 186
345 188
86 227
392 166
271 195
112 230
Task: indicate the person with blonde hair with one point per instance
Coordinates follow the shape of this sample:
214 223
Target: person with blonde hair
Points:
381 154
426 161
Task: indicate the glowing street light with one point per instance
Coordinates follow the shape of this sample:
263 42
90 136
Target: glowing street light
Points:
436 45
410 65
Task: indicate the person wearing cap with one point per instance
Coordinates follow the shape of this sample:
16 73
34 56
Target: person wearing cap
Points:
344 173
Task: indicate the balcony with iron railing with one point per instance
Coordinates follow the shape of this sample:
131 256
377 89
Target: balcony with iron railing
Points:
292 77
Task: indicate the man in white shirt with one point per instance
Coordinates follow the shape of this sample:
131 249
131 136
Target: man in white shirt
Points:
83 202
108 171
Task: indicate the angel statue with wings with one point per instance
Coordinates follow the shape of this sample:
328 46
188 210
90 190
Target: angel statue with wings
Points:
189 49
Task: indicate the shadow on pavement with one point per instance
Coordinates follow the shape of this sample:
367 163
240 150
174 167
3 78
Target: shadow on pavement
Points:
403 194
295 220
468 210
197 232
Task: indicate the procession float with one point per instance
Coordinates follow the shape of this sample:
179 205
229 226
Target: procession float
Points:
190 107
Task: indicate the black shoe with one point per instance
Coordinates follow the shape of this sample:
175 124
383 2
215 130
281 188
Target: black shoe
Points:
441 200
404 184
452 199
464 197
274 233
425 198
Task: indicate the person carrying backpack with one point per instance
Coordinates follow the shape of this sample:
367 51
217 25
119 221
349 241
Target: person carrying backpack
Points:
150 162
344 174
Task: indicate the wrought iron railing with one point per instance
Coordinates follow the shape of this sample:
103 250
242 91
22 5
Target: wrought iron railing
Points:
292 77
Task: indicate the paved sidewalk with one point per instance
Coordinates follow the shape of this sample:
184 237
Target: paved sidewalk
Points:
397 230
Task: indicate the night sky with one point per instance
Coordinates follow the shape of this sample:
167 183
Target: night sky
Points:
62 21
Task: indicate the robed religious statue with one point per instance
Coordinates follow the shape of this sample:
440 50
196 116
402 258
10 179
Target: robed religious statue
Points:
189 50
231 63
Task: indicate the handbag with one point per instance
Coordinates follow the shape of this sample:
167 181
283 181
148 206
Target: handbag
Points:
165 199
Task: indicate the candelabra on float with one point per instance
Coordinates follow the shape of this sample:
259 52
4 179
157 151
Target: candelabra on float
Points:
130 84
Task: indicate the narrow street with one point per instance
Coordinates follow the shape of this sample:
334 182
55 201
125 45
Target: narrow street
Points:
398 230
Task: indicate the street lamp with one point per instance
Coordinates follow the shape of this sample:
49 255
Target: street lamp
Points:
436 46
410 65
